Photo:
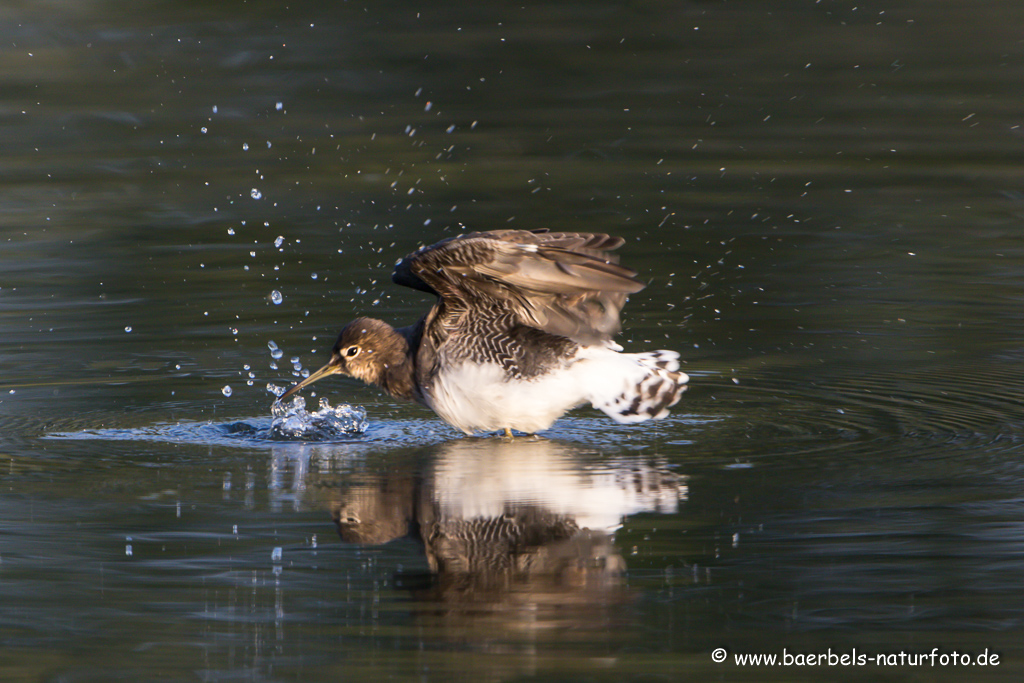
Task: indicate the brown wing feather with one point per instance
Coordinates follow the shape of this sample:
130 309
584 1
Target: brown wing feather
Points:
563 283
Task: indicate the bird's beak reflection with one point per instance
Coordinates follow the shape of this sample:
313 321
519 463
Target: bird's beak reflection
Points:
326 370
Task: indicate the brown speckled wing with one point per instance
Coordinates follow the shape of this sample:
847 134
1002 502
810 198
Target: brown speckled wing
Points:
563 283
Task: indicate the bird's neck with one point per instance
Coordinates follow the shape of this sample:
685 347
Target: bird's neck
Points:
397 378
397 381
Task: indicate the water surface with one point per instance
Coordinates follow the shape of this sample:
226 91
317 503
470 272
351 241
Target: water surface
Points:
824 198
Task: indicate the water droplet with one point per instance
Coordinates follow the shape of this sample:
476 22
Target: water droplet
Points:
245 146
128 328
226 390
215 109
231 231
275 555
279 106
279 241
313 276
276 297
203 130
256 194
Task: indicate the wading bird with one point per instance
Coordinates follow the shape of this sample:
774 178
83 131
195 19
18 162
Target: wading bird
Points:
520 333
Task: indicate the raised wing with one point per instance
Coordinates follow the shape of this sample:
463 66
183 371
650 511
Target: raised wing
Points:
563 283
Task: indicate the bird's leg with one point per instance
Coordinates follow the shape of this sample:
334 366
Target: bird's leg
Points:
508 432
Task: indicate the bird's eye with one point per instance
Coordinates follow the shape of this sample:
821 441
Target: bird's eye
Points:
351 351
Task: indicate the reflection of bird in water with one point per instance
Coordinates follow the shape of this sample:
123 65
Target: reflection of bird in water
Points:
520 333
524 540
492 513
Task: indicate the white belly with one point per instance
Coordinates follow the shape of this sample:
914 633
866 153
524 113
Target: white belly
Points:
628 387
477 398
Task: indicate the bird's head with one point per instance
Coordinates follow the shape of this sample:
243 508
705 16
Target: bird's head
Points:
365 349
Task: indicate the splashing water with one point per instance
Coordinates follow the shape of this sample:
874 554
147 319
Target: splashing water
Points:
293 421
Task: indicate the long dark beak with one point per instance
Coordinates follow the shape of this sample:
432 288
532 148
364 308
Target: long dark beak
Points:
319 374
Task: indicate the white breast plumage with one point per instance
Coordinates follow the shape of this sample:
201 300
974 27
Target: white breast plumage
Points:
479 397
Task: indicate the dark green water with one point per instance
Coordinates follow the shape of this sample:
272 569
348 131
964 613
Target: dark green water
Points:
825 198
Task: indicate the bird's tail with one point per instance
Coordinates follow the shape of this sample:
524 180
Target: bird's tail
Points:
650 384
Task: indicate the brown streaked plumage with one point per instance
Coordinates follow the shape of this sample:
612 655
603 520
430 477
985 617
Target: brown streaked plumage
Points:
520 332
